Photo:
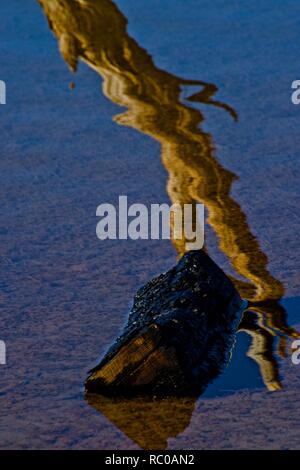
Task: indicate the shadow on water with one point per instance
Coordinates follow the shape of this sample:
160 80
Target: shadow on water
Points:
95 32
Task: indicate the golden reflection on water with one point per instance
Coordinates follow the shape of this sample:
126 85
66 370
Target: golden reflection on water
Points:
95 32
148 422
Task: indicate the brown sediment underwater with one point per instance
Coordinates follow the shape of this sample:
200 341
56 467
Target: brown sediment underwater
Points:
95 32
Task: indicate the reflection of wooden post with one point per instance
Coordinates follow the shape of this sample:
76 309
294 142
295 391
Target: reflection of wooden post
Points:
95 31
2 92
2 353
149 423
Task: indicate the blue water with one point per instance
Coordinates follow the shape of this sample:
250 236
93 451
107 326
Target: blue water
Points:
64 296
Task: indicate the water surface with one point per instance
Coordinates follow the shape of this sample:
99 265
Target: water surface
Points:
65 294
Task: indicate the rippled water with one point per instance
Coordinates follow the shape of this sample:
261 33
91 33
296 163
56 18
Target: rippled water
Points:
64 294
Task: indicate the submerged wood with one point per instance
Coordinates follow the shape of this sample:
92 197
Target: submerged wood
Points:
179 334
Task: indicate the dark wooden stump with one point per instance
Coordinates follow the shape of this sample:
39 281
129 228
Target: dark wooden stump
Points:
179 334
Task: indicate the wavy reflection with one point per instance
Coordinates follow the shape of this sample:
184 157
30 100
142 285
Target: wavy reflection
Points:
95 31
